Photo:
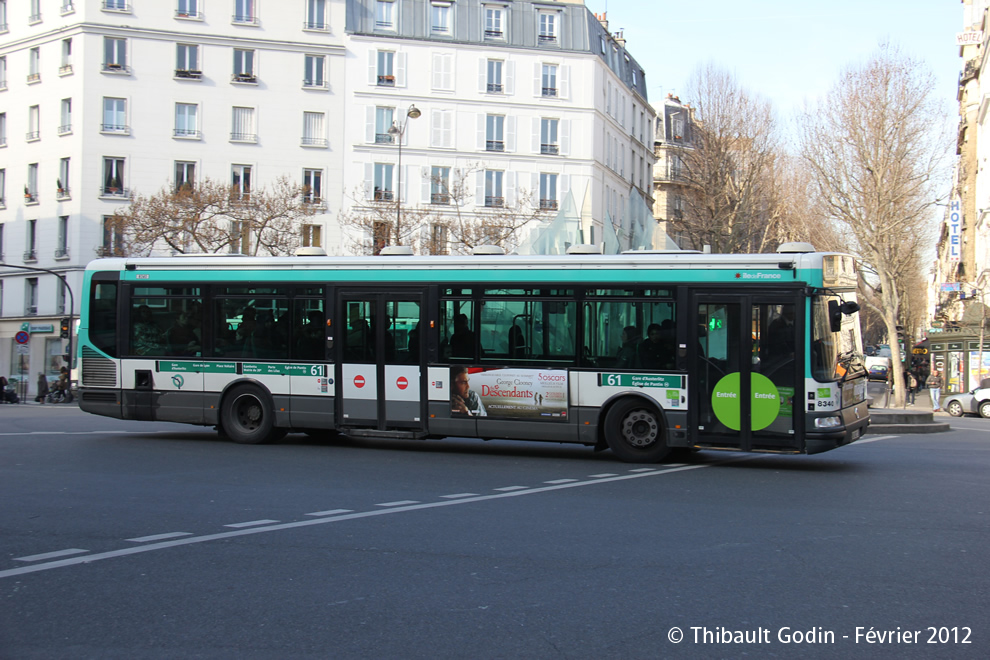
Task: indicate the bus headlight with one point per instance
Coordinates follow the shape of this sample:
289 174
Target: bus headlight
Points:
828 422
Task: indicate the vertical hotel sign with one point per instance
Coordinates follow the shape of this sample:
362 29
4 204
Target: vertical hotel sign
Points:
955 230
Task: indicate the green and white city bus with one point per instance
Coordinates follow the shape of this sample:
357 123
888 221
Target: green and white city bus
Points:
640 353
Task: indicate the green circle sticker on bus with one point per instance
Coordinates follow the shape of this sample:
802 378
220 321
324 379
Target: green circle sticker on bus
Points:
765 404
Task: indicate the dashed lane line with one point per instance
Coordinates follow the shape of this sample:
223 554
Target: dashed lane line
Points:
405 506
52 555
340 515
251 523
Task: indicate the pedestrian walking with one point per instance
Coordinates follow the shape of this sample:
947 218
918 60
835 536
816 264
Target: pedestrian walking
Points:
42 387
912 386
934 385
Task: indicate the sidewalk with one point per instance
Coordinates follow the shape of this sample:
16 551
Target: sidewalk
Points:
922 402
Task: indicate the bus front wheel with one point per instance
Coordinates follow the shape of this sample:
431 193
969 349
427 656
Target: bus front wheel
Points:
248 416
635 432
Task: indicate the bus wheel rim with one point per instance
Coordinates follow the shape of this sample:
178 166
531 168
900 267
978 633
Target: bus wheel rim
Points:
640 429
248 412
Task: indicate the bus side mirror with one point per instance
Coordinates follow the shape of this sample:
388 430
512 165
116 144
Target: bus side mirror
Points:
835 312
834 316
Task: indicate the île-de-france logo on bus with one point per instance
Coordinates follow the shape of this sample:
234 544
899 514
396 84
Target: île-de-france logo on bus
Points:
178 381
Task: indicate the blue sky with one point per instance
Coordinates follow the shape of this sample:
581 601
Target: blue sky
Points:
787 50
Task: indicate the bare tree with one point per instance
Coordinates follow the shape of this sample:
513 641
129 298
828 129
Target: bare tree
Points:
875 147
448 224
212 216
732 170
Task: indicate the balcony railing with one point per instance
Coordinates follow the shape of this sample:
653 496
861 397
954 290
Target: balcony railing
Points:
65 70
314 84
33 78
63 193
243 137
549 149
34 18
494 202
494 145
384 25
30 255
189 13
31 310
116 129
62 253
547 39
31 197
114 67
548 205
386 81
384 138
191 74
116 5
32 136
550 92
187 133
65 129
244 19
383 196
316 25
68 8
314 142
493 34
114 191
244 78
439 198
495 88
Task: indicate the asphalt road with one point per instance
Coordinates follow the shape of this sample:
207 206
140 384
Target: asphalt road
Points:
137 540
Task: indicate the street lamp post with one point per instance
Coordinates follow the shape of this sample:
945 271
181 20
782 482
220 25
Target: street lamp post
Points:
397 131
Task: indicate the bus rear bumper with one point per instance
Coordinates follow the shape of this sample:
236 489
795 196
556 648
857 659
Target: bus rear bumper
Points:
101 401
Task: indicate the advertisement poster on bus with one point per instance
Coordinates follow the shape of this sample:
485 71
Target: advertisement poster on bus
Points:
509 393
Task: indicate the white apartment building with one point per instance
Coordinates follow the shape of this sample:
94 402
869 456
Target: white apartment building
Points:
519 98
100 99
104 99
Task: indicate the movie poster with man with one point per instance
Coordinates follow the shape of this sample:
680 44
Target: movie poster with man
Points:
509 393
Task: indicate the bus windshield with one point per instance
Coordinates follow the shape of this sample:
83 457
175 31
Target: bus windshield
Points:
834 355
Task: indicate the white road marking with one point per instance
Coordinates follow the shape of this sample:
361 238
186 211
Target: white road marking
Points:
412 506
509 489
52 555
399 503
863 441
330 512
160 537
456 496
560 481
602 475
251 523
644 470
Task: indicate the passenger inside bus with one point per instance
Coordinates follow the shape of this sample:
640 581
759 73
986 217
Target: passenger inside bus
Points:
462 341
657 350
147 334
181 338
628 351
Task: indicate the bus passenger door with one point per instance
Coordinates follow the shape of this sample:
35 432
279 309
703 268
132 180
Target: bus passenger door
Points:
746 371
379 379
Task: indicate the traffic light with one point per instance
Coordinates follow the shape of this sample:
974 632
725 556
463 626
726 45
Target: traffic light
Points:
64 328
900 333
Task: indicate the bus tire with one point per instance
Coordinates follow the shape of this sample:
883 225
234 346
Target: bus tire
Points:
635 432
248 416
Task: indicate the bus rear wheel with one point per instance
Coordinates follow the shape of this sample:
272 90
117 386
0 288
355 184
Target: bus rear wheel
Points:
635 432
248 416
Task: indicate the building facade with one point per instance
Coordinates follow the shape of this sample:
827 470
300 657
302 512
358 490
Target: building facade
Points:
104 99
520 104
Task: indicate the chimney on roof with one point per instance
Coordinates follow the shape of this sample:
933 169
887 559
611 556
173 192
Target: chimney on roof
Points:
603 19
619 39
